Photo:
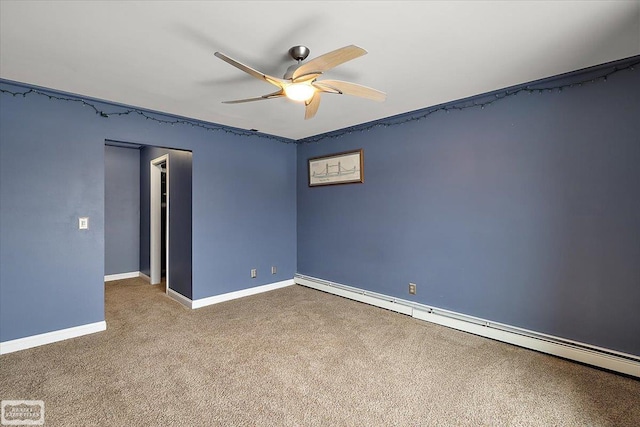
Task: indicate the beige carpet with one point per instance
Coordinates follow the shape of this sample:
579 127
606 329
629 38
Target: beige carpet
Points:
300 357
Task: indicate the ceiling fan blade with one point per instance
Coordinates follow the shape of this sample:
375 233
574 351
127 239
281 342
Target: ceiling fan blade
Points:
273 95
305 77
311 106
329 60
340 87
255 73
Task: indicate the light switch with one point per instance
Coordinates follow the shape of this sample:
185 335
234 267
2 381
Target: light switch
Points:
83 223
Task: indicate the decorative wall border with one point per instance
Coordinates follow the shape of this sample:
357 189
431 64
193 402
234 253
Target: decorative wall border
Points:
590 75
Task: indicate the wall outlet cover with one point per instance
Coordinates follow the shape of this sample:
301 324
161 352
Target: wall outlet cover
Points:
412 288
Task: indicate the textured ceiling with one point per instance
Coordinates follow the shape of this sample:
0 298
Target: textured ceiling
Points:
159 55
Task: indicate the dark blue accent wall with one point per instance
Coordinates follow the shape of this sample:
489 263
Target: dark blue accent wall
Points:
121 210
526 212
180 258
52 170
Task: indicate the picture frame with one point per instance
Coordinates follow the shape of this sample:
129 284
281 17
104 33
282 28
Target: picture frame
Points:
339 168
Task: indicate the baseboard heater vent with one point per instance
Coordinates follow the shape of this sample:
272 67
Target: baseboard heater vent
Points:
585 353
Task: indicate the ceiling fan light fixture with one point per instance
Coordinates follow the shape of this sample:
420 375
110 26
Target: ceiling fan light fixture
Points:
299 91
299 83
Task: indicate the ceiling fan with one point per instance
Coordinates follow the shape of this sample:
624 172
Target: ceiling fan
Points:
300 82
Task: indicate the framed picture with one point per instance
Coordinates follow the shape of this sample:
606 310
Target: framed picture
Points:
339 168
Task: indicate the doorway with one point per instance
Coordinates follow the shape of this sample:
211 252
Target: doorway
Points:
159 220
131 178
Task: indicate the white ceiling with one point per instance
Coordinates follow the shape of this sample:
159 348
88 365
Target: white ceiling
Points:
159 55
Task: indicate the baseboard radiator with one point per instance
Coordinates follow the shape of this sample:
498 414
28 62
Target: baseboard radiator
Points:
585 353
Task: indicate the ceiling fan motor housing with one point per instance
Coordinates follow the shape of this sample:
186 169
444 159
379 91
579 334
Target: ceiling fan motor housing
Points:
299 53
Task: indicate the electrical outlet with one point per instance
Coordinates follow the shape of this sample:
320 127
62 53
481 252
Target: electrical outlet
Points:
254 273
274 270
412 288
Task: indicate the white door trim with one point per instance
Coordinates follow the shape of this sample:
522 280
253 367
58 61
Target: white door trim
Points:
155 221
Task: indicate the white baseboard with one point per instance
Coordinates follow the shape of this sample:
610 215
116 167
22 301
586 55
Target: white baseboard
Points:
51 337
203 302
596 356
360 295
180 298
144 276
121 276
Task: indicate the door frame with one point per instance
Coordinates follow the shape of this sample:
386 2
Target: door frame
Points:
155 221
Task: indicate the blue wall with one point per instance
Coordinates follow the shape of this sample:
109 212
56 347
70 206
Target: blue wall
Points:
53 171
121 210
526 212
252 226
180 256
